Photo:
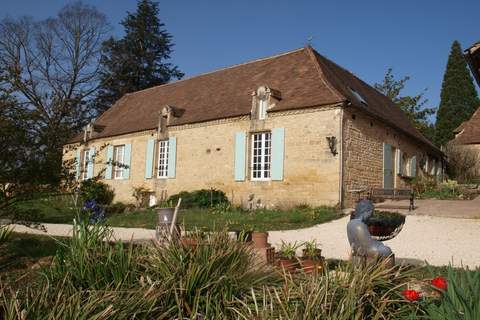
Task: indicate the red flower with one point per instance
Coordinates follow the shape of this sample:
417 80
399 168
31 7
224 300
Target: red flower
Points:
440 283
411 295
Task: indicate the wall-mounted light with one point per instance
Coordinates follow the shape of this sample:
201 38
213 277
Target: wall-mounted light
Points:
332 144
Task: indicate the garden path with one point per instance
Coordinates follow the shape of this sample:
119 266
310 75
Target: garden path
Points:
437 208
438 240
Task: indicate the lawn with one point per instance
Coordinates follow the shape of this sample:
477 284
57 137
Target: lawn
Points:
24 254
233 219
60 209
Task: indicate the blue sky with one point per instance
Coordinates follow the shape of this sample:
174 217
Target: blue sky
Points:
366 37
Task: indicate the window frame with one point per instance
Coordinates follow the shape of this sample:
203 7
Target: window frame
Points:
265 156
262 108
162 168
84 166
116 168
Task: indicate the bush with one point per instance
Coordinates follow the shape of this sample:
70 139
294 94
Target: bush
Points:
93 189
200 198
116 208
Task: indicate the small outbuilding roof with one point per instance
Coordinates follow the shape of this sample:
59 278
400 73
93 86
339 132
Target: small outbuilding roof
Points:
469 131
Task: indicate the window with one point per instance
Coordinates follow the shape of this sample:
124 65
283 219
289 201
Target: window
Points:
262 109
85 159
119 159
261 155
163 159
358 96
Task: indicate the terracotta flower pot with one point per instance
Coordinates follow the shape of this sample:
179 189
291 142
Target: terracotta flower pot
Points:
288 264
260 239
189 242
310 265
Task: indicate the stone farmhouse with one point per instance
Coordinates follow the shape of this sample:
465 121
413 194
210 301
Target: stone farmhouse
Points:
290 129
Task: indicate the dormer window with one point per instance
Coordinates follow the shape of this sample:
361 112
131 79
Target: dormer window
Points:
262 109
358 96
263 99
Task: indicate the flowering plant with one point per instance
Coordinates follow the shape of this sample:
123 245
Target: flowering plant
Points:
95 211
439 283
411 295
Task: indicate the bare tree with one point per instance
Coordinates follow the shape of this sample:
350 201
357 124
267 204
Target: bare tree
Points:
52 69
462 162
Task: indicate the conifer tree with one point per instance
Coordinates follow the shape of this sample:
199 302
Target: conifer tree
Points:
458 98
139 59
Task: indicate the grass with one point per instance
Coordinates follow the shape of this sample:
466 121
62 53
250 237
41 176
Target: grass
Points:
60 209
23 254
52 209
233 219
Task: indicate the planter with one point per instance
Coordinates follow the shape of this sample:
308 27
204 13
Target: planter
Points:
165 215
260 239
380 231
309 265
189 242
316 256
288 265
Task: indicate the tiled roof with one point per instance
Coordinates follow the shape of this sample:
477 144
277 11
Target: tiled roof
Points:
304 78
469 132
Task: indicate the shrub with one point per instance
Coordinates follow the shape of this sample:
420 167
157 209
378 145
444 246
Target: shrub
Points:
200 198
141 195
462 162
93 189
116 208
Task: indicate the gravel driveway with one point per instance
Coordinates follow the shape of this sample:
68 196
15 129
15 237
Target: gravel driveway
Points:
437 240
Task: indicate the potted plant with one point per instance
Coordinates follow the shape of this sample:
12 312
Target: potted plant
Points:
383 224
260 238
287 258
192 238
312 257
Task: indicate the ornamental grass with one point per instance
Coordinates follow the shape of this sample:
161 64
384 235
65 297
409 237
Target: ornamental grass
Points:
216 277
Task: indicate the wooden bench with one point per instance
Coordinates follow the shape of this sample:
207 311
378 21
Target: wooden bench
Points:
393 194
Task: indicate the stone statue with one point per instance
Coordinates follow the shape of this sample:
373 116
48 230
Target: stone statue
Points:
363 246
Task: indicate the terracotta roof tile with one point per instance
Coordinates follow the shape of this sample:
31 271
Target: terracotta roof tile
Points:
469 132
303 77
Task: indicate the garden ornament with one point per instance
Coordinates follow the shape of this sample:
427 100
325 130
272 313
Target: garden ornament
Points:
361 242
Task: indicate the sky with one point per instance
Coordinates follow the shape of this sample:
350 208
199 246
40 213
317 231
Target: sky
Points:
366 37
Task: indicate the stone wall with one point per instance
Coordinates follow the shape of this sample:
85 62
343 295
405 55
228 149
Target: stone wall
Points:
363 153
205 159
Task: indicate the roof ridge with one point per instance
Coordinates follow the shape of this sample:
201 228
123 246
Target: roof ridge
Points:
221 69
311 54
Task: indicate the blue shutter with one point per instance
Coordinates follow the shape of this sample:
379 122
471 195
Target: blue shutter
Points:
172 156
149 158
387 166
240 156
413 166
108 171
278 153
91 163
127 160
399 162
77 164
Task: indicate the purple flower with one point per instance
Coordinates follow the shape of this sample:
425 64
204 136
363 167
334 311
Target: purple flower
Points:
90 204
